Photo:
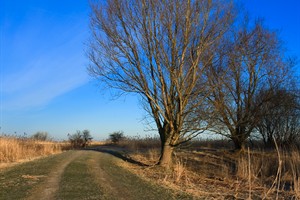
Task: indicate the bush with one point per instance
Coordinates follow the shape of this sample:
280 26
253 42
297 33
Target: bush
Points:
80 139
42 136
117 136
87 138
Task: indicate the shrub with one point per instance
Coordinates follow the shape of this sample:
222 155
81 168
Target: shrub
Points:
116 137
87 138
80 139
42 136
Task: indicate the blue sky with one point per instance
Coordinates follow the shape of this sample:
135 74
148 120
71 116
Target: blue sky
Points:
43 81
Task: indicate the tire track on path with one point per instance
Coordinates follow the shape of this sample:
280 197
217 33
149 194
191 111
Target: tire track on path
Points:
103 180
120 184
48 188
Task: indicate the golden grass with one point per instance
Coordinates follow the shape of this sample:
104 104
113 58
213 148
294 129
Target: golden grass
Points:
96 143
220 173
140 144
14 149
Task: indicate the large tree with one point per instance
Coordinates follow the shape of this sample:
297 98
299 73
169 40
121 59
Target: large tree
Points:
157 49
250 60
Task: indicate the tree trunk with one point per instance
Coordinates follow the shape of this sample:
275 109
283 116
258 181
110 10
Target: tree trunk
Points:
165 159
239 144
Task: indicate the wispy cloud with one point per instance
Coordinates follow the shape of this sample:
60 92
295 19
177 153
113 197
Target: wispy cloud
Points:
44 59
43 81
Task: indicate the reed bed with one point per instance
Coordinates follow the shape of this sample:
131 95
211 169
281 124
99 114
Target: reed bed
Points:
218 173
138 143
14 149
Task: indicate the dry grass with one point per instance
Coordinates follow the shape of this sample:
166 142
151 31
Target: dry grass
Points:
137 143
97 143
220 173
13 149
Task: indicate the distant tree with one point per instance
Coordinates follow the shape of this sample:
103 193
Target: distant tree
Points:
248 62
76 139
157 49
117 136
87 138
80 139
40 135
280 117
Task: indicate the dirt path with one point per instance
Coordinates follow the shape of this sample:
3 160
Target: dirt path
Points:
109 180
118 183
79 175
101 177
48 189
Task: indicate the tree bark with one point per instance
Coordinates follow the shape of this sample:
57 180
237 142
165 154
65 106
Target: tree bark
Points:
239 144
165 159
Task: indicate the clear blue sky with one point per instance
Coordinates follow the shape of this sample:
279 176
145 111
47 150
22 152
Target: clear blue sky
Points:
44 84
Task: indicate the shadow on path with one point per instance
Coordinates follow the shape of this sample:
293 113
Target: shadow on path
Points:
116 151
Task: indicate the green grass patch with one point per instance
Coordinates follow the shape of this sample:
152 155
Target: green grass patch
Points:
77 182
132 186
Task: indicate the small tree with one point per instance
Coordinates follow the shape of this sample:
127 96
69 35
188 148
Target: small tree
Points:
87 138
80 139
76 139
115 137
42 136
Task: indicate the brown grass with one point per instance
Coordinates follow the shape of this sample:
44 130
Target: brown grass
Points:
14 149
96 143
221 173
140 144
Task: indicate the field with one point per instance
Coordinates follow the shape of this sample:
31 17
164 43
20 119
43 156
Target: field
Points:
127 170
210 169
14 149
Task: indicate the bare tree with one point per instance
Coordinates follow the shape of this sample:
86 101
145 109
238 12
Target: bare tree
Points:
249 61
87 138
156 49
280 117
80 139
116 136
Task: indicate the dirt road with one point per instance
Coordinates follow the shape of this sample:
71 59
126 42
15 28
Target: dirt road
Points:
78 175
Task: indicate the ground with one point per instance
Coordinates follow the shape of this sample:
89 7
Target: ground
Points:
82 174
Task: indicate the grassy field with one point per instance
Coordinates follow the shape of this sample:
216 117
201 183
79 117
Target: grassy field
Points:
14 149
211 169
